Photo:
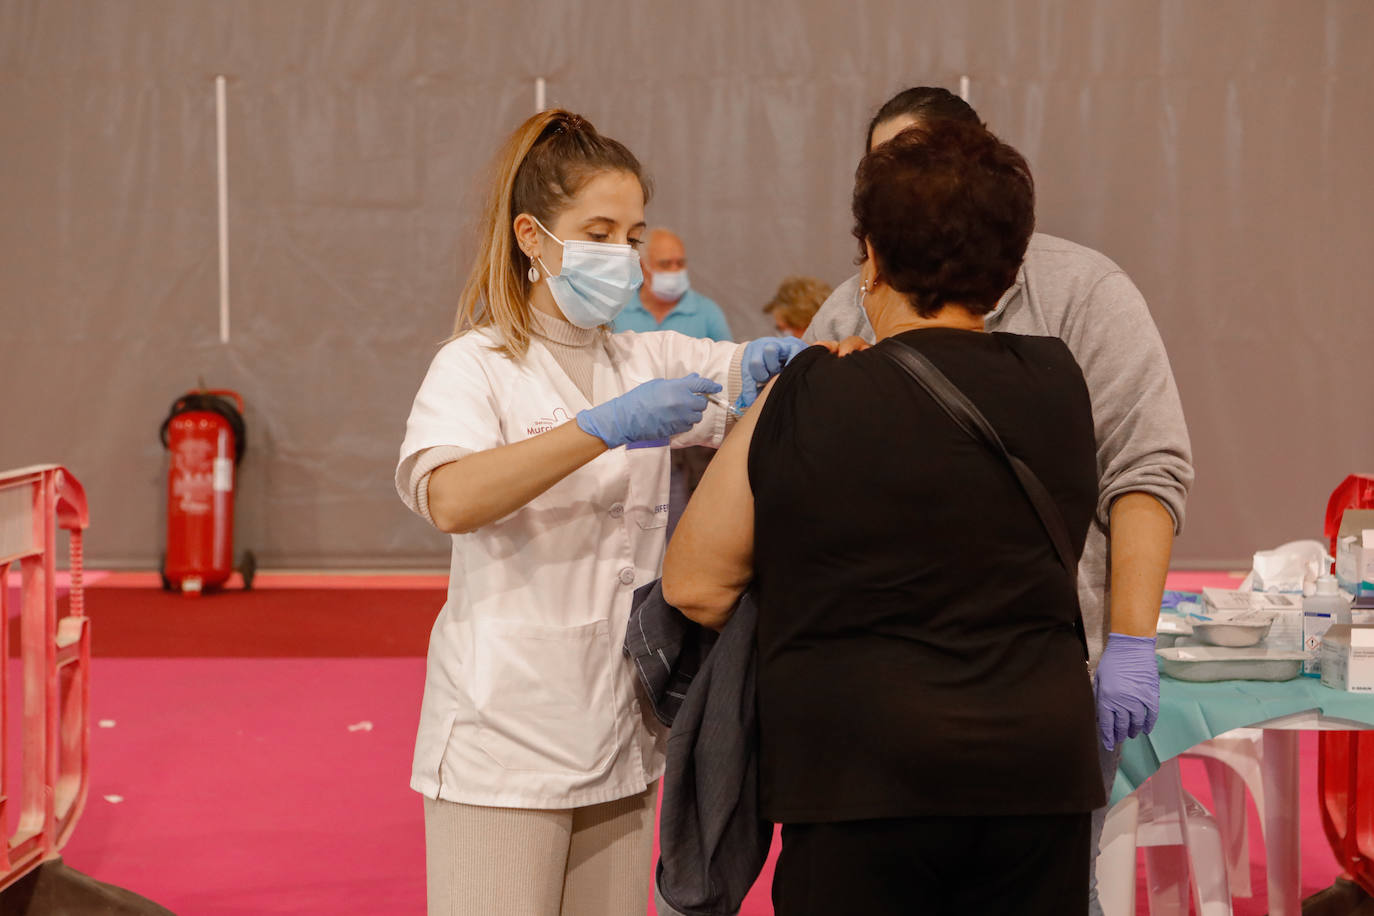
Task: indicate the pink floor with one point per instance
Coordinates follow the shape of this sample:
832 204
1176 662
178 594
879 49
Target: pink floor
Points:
232 786
243 790
246 786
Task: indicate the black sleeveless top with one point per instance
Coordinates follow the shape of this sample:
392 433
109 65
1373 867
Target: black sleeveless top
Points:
917 654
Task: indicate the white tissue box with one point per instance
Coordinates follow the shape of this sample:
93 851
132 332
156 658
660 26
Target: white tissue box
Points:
1286 633
1348 658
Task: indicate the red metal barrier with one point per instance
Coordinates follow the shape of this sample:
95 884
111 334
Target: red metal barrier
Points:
1345 760
1345 781
55 657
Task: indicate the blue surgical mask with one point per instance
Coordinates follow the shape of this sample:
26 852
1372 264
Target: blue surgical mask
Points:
596 282
669 285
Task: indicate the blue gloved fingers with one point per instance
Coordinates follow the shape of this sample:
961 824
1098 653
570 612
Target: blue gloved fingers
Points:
1135 718
701 385
696 388
1127 688
657 409
1106 727
748 391
773 359
765 357
696 405
1151 714
778 352
762 359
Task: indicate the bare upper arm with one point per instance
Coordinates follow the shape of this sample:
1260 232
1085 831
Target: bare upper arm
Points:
710 560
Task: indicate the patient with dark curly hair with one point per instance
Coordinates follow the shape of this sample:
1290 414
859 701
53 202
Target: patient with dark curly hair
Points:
926 718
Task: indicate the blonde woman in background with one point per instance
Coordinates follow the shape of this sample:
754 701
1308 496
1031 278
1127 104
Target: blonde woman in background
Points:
796 303
539 442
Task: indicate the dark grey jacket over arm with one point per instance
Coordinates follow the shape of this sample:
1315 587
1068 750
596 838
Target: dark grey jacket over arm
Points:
712 842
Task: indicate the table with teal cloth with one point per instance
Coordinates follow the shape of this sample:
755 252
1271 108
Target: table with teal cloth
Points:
1191 713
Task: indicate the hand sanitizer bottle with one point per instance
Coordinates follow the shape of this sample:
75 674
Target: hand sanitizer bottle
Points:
1319 612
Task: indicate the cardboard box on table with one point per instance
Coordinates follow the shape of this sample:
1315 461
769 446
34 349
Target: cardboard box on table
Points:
1348 658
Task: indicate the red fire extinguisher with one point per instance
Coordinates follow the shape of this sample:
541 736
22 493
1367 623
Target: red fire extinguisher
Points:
204 434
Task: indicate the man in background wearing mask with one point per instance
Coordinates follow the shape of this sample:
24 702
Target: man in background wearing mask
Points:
666 300
668 303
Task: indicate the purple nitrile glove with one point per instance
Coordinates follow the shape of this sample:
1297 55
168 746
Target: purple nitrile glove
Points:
1127 689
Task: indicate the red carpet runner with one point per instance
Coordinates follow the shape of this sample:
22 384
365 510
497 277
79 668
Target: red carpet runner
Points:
263 623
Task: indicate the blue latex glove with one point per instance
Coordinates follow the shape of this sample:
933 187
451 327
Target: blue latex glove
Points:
763 359
1127 689
652 411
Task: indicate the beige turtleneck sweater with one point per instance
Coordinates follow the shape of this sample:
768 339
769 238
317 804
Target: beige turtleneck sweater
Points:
573 348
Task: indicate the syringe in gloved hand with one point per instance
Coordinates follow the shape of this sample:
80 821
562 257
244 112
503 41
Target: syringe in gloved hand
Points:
724 405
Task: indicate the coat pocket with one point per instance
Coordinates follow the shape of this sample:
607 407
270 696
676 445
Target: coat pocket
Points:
544 696
649 486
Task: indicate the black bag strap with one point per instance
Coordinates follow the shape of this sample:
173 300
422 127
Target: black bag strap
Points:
971 420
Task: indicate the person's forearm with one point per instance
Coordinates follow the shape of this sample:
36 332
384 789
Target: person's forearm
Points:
485 486
1142 537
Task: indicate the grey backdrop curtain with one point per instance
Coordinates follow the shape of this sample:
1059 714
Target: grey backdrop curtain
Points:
1217 151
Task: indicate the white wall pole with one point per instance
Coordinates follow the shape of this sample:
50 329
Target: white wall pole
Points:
539 100
222 170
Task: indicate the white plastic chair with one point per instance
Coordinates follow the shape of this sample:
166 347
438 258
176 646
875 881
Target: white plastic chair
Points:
1232 763
1261 761
1264 761
1181 841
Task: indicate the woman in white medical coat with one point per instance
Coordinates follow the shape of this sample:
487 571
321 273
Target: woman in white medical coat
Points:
539 441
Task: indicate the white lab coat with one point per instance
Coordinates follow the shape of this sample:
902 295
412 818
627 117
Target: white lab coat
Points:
529 701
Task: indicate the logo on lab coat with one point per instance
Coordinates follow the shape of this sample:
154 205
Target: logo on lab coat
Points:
544 424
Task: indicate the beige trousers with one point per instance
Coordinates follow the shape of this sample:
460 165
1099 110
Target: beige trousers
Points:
592 861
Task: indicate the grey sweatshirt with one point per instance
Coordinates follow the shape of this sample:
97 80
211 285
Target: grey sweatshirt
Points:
1078 295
